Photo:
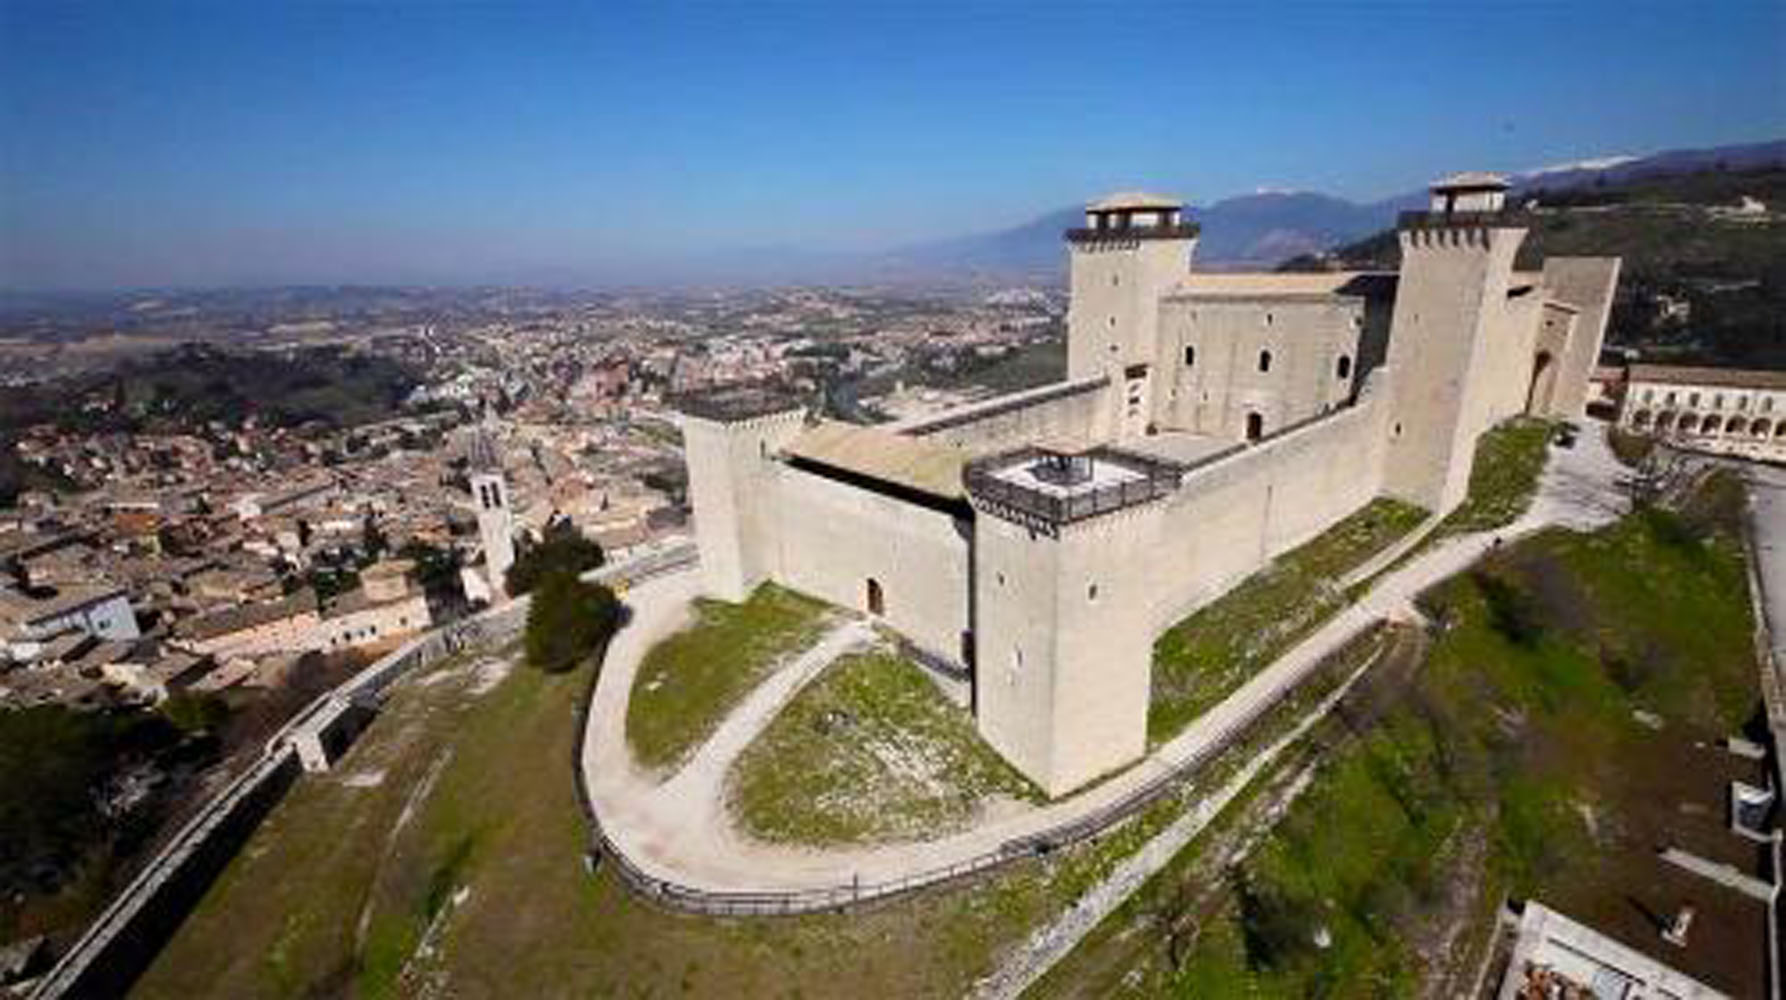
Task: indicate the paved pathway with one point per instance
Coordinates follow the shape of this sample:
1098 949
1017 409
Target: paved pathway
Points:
1767 512
686 838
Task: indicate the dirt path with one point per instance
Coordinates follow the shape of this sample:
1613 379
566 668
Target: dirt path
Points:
688 839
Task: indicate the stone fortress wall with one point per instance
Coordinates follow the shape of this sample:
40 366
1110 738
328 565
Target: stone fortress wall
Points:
1208 423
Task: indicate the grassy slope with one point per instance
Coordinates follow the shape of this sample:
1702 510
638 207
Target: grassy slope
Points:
1503 477
500 820
871 751
1204 658
1523 714
689 681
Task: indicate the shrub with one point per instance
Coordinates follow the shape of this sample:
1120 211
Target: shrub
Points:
191 713
569 620
562 549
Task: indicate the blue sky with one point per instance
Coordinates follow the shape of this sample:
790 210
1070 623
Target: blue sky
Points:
241 143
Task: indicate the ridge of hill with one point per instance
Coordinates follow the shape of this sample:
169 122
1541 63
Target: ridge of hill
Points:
1703 282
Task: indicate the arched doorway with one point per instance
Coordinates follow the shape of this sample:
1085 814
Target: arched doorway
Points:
1255 426
1544 378
877 602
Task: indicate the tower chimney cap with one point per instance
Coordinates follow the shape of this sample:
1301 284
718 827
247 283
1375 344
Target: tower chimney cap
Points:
1474 180
1131 200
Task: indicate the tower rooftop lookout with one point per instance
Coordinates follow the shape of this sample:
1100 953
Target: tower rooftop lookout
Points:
1048 487
1134 215
1129 200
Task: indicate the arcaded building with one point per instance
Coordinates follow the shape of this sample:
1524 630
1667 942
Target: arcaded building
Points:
1038 543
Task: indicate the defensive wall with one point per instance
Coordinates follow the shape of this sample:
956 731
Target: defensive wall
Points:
1232 515
127 935
833 537
1076 409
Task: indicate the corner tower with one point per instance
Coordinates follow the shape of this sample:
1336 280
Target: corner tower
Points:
1133 247
1456 271
496 521
1063 639
731 440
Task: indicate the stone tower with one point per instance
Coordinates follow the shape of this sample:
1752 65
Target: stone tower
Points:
1063 639
1457 266
730 441
496 521
1133 248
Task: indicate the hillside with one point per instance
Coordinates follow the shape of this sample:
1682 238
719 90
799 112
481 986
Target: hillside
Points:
1260 230
1702 284
191 385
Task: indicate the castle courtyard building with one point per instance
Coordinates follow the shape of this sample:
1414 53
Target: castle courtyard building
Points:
1038 543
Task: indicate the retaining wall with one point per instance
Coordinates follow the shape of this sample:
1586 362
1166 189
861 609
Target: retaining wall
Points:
115 949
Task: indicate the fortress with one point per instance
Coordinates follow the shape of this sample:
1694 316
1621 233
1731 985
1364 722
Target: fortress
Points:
1038 543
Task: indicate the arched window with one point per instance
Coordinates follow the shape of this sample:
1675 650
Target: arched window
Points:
1255 426
1264 361
877 602
1343 367
1709 425
1733 425
1190 355
1640 419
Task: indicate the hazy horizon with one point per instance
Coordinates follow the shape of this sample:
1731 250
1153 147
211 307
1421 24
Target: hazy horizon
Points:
211 145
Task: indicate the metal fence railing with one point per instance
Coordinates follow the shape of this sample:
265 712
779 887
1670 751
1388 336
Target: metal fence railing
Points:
849 895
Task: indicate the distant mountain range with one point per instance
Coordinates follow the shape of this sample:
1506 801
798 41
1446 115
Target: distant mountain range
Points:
1262 230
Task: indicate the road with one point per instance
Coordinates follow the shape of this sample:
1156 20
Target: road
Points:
687 839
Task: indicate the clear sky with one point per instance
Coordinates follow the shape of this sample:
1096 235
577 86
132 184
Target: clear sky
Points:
240 142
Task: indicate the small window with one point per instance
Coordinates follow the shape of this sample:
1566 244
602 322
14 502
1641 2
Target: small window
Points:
1091 592
1190 355
1344 367
1255 426
1264 361
1115 280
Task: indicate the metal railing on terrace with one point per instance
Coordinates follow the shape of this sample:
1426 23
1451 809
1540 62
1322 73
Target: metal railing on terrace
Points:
1117 234
1156 479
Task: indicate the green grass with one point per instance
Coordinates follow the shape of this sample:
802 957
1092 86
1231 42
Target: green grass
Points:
491 808
1503 478
1205 657
1475 771
691 680
870 751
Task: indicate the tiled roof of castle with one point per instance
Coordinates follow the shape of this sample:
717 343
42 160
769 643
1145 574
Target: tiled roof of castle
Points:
881 454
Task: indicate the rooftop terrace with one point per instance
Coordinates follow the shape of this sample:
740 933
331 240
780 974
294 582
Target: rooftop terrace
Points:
1048 488
732 404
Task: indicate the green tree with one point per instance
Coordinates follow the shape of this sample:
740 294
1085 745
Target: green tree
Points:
372 539
567 621
191 713
562 549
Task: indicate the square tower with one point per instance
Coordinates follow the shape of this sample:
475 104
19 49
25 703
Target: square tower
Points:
1063 636
732 439
1456 271
1133 248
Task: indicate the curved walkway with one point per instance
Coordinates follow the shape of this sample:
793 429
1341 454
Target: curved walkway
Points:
677 832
